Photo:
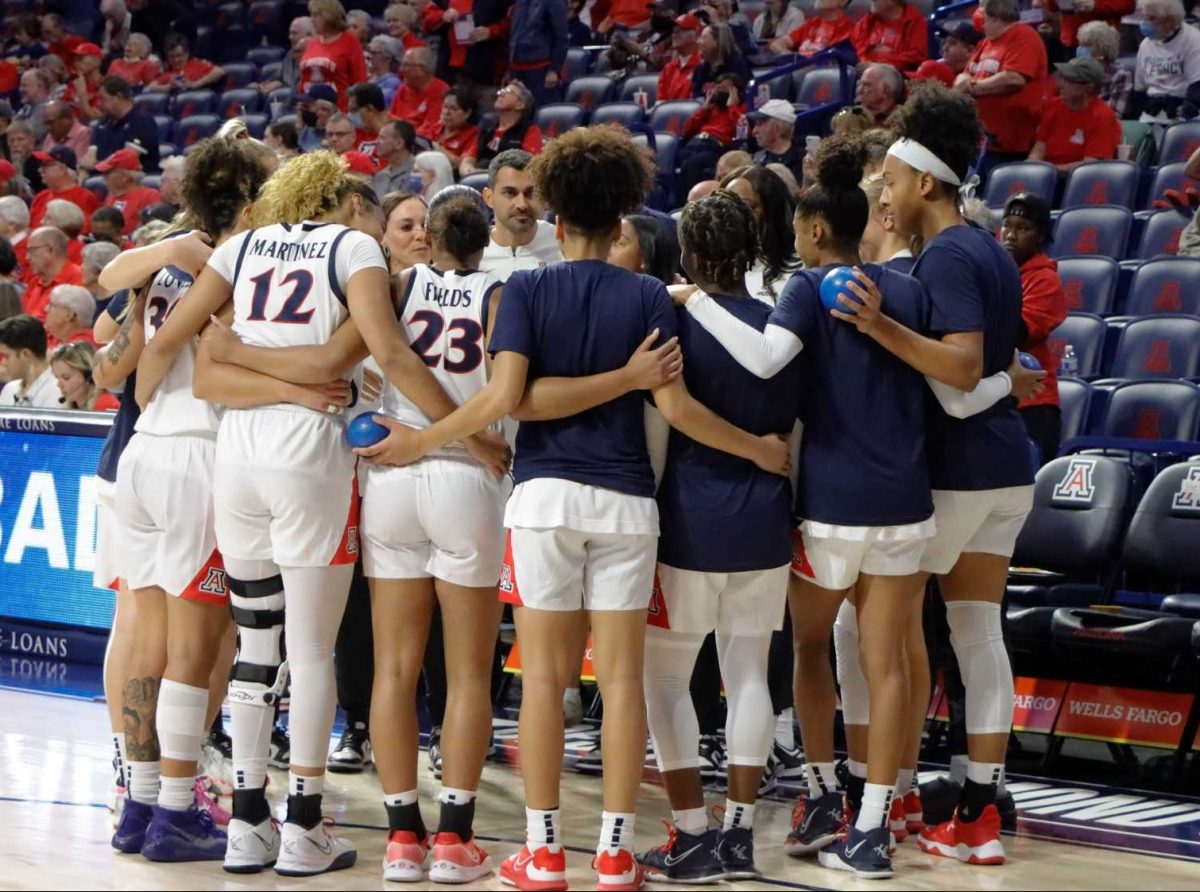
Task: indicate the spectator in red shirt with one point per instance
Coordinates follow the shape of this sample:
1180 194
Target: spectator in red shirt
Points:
675 80
58 173
49 267
1077 125
62 130
512 130
458 136
58 41
135 64
183 72
123 176
894 33
958 43
69 315
419 99
1007 77
880 90
81 92
334 56
710 131
830 25
400 19
1077 14
1025 234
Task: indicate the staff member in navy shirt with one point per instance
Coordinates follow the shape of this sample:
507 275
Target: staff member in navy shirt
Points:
583 522
122 125
980 466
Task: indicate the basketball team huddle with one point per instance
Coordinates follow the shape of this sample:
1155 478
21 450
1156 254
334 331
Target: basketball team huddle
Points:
654 495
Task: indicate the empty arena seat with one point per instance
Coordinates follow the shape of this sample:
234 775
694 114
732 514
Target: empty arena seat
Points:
1161 233
1005 180
1085 332
1167 176
239 74
1153 410
558 118
628 113
476 181
266 17
193 102
256 125
1165 285
239 102
639 83
1089 283
1101 183
590 92
194 128
1179 142
670 117
270 71
263 56
1158 347
233 43
821 86
1165 530
775 88
1093 230
577 64
152 103
165 125
1074 399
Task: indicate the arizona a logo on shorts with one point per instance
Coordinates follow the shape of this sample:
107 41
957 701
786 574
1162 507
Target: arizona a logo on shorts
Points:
506 578
214 582
1076 485
1188 498
352 540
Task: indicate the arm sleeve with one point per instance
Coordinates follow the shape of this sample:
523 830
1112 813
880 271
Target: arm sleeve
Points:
762 353
512 331
959 404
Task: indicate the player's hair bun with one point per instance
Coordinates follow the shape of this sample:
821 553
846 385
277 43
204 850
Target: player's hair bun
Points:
840 162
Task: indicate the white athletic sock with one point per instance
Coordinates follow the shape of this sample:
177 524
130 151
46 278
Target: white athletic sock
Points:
176 793
822 778
616 832
785 730
299 785
906 779
958 768
857 769
984 772
408 797
691 820
738 814
142 778
541 829
451 796
877 802
119 755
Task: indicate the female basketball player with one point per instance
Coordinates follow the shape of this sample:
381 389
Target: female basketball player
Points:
980 467
286 510
582 520
722 564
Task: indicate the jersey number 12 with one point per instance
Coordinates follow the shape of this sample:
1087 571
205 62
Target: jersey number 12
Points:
290 313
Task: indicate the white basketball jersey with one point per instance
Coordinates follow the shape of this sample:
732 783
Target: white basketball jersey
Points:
445 318
173 410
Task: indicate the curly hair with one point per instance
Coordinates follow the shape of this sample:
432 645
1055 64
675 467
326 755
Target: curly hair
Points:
458 226
592 176
219 179
944 121
720 233
304 188
836 196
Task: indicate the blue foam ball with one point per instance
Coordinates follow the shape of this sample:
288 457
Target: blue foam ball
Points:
365 431
834 284
1029 361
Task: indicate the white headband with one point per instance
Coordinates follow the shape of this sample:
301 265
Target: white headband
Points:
920 158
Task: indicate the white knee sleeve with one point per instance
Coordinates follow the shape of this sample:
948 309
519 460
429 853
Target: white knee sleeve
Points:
670 714
975 634
316 600
750 719
856 698
180 720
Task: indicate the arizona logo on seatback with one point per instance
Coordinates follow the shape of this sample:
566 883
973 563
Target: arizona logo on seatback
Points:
1076 485
1188 497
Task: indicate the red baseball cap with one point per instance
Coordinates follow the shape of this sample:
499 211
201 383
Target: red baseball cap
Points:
360 162
7 171
121 159
89 49
933 70
689 22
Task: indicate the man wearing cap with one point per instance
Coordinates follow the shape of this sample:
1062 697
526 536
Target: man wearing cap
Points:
122 125
58 173
49 267
62 129
675 80
1077 125
81 92
123 177
316 105
958 42
829 25
1025 234
774 126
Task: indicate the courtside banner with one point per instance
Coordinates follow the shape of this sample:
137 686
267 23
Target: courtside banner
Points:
1124 715
48 515
1036 702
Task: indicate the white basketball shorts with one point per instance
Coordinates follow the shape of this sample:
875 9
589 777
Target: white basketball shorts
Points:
833 557
986 521
109 540
693 602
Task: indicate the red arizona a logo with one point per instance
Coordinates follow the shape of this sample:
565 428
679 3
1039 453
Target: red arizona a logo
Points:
1188 498
1099 193
214 582
1168 298
1076 485
1147 425
1074 293
1158 360
1088 241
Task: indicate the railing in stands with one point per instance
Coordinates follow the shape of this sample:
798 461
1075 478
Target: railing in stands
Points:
945 12
811 119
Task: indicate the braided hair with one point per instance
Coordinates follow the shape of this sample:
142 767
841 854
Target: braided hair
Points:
720 234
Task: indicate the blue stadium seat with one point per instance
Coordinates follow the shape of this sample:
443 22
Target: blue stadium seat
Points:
647 82
776 88
1085 332
238 102
194 128
1092 230
1166 527
193 102
1158 347
266 55
1090 283
628 113
152 103
167 149
1165 285
1166 176
579 61
590 92
1161 233
282 95
670 117
256 124
239 74
1179 142
165 125
559 118
227 15
476 181
1005 180
1101 183
1153 410
1074 397
266 17
271 71
822 86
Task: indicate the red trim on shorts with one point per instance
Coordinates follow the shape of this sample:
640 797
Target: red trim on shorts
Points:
510 593
115 585
210 585
347 550
656 613
800 564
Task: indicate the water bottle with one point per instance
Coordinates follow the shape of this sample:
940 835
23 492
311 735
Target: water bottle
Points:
1068 365
764 95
